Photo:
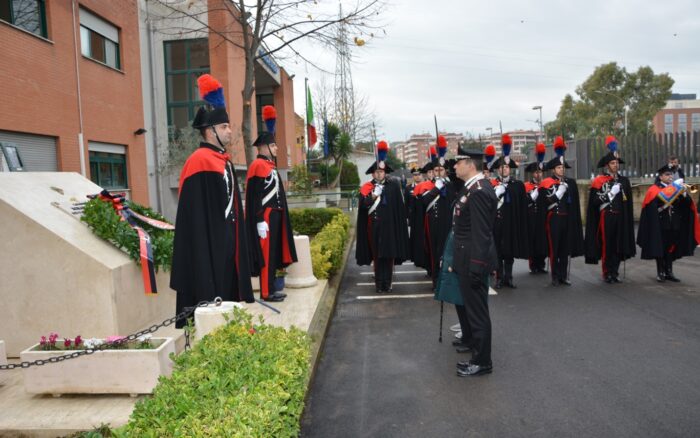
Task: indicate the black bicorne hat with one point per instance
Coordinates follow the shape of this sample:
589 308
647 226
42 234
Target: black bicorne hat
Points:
214 111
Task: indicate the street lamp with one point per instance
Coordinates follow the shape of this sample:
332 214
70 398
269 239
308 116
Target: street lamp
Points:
490 130
539 107
624 104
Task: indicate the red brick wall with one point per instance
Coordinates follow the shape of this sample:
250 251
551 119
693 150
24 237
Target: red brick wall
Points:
284 104
39 87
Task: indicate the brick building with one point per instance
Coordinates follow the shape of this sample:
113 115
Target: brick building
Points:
681 114
71 90
414 151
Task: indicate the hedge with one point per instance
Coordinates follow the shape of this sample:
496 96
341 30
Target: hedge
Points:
238 381
309 221
328 245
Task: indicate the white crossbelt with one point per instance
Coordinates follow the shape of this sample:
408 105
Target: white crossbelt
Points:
273 179
375 205
432 204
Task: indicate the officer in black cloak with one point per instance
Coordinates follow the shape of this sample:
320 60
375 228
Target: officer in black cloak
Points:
668 224
436 197
535 221
419 244
382 233
510 229
409 199
267 213
609 219
210 253
559 203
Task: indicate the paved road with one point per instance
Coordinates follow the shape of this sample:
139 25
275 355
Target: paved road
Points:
592 360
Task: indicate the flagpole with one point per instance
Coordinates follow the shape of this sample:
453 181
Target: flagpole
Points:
306 120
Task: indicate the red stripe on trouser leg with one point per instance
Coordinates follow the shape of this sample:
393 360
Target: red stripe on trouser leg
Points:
265 271
601 233
286 253
427 245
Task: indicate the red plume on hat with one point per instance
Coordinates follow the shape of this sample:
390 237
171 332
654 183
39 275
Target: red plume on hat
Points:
441 146
432 153
559 146
382 150
506 144
269 116
540 150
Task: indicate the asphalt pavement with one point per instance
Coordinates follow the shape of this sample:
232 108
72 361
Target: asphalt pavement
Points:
589 360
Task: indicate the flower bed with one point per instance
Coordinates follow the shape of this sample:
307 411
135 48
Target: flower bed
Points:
239 380
121 368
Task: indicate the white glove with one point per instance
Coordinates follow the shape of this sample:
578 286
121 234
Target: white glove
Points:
614 190
534 194
439 183
263 229
377 190
678 182
500 190
561 190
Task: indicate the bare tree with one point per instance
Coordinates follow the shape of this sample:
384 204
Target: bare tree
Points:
273 27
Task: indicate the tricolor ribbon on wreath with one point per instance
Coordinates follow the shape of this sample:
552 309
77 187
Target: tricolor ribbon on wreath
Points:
145 250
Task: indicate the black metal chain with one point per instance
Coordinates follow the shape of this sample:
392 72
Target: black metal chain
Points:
186 312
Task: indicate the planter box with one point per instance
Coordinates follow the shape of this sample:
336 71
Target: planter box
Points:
104 372
3 353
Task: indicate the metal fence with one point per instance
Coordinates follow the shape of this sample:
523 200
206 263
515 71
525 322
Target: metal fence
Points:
643 154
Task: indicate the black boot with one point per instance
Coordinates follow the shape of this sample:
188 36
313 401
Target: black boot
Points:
660 271
669 273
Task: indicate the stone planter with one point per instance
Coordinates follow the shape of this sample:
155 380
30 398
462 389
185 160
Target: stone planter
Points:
301 273
104 372
3 353
207 319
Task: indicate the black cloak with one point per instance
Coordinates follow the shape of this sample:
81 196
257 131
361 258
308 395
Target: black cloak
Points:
513 230
210 254
625 229
574 242
392 238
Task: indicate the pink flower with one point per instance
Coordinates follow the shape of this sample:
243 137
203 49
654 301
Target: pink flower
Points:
251 330
43 340
78 340
113 339
66 342
52 338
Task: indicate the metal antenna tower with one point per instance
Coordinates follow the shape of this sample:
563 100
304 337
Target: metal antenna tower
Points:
344 94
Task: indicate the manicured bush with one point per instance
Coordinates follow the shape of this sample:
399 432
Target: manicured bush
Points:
239 381
309 221
328 245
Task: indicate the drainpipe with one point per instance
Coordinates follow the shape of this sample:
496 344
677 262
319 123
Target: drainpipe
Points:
81 144
154 124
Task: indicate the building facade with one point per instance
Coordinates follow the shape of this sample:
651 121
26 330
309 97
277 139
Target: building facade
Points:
176 49
415 151
71 91
681 114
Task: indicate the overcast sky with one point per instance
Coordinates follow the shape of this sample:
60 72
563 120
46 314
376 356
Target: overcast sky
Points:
473 63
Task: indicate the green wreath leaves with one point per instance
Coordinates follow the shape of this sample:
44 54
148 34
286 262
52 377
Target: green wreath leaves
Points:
104 221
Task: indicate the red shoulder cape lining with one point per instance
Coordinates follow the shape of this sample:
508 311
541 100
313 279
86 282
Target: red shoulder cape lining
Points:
202 160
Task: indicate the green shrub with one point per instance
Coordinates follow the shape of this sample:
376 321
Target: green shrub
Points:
328 245
300 180
236 382
349 176
328 173
309 221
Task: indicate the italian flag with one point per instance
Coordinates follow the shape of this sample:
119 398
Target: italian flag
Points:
310 127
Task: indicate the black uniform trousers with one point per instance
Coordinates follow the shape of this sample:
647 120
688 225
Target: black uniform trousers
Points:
536 263
558 241
669 237
610 221
504 270
383 267
475 293
464 324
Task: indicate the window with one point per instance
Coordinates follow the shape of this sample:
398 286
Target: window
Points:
260 101
696 121
29 15
99 40
185 61
682 122
108 165
668 123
